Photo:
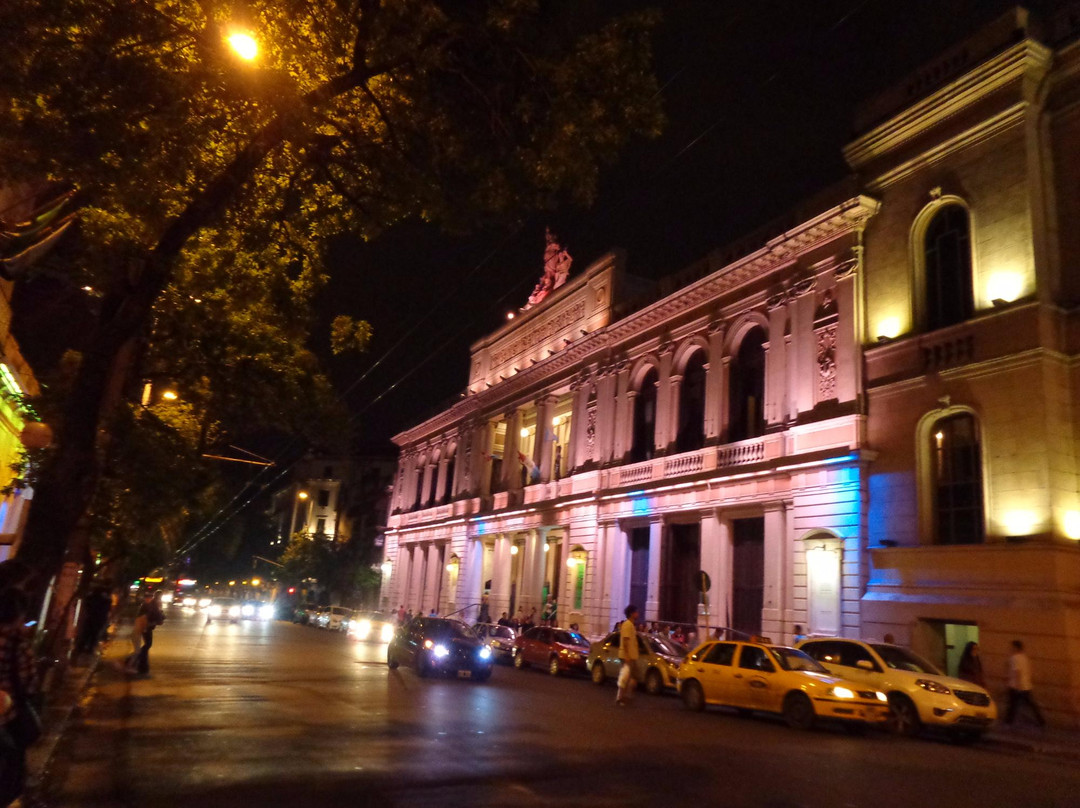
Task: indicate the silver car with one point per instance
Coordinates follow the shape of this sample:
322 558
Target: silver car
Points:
657 666
500 639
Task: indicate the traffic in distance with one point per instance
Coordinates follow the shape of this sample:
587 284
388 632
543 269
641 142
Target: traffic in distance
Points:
829 681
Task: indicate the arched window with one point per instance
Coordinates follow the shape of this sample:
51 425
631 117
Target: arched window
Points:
956 483
691 433
947 267
418 485
433 483
746 388
644 445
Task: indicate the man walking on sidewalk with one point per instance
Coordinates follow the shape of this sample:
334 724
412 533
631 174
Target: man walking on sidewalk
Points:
1020 684
628 655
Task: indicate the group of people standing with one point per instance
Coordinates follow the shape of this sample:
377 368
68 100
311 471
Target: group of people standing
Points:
1020 694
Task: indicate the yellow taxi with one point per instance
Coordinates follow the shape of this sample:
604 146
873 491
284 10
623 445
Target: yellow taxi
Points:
752 676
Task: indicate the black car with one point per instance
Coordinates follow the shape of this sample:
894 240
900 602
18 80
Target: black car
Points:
431 645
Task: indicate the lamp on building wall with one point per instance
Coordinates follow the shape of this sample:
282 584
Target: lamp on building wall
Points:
513 549
1071 524
302 495
387 567
888 328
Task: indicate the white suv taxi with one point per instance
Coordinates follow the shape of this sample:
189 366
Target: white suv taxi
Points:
919 694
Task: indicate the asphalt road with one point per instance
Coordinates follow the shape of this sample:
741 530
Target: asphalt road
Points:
284 715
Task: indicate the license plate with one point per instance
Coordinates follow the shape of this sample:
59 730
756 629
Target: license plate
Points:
464 674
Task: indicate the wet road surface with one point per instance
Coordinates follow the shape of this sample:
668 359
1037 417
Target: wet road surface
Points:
275 714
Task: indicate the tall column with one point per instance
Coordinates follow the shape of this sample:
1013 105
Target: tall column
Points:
672 428
624 413
725 399
776 561
578 424
433 582
712 549
714 389
543 453
511 465
486 438
440 483
532 575
474 571
597 599
663 434
656 541
499 601
848 345
416 583
776 366
401 572
606 415
804 351
618 566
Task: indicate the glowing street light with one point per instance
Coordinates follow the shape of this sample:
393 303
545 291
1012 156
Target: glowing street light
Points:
302 495
169 395
244 45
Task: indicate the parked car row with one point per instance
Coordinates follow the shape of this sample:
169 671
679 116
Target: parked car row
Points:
233 610
849 681
359 625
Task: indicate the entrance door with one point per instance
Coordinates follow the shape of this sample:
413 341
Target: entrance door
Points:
639 567
679 595
747 574
823 585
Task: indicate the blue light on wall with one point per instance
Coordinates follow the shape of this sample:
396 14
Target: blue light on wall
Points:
640 504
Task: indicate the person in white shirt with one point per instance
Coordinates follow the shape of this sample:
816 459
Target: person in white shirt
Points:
1020 685
628 655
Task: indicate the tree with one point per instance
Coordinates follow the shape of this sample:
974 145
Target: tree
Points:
355 114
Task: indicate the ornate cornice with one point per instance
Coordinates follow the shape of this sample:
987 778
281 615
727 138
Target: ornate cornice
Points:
836 222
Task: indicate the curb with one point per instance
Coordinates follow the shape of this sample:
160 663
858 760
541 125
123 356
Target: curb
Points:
1033 746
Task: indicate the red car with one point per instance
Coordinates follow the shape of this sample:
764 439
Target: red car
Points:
558 650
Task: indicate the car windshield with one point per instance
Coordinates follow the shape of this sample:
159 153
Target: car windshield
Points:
901 659
661 645
793 660
451 629
500 631
570 638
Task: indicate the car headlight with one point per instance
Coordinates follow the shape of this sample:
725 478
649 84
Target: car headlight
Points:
247 610
215 611
485 652
266 612
189 602
362 629
234 611
932 686
441 651
843 693
204 602
167 598
387 632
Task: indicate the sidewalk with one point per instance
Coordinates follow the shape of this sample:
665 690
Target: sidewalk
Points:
1049 742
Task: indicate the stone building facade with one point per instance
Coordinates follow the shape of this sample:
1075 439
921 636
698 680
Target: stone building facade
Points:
860 421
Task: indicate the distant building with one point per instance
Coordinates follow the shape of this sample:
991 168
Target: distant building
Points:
861 420
334 497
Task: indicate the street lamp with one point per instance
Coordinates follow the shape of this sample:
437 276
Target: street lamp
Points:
302 495
169 395
244 45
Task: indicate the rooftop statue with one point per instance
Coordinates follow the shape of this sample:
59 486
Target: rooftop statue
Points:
556 269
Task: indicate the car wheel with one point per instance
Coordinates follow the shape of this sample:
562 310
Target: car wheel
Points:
599 675
799 711
553 666
519 661
903 716
391 663
693 696
654 682
482 676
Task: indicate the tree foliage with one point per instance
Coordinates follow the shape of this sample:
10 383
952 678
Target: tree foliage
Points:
192 165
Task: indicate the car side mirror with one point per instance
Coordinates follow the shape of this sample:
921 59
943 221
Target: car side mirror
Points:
865 664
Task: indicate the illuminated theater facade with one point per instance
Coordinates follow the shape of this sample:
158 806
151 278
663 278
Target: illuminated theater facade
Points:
605 458
862 422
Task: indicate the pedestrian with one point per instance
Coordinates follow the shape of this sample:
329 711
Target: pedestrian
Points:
138 631
548 612
1020 685
504 620
485 611
155 616
800 635
434 612
970 669
19 683
95 617
401 614
628 655
890 639
532 617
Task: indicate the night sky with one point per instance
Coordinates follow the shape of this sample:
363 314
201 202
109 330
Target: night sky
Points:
760 98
